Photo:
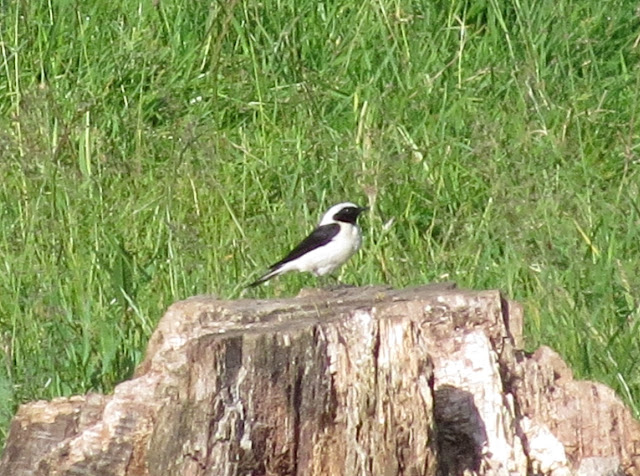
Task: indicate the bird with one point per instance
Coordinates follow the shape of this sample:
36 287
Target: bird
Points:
336 238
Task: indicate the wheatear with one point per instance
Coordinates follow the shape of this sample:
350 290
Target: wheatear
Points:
336 238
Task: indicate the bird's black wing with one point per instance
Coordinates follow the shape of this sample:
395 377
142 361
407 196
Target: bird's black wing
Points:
318 237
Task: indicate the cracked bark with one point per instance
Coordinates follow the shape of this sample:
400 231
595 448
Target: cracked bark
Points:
359 381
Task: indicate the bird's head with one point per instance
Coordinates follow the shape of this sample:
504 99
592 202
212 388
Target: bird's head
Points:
345 212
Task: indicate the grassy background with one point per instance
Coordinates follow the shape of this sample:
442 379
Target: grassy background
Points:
155 150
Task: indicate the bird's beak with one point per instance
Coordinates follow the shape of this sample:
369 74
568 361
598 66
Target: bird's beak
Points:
363 209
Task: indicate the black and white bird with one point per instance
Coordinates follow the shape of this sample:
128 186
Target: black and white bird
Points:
336 238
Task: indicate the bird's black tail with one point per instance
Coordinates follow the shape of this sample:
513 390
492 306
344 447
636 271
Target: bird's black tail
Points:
265 277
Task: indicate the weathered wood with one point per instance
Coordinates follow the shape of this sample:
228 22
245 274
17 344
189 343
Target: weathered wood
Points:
357 381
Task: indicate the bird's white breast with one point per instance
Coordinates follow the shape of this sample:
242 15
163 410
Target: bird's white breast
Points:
328 258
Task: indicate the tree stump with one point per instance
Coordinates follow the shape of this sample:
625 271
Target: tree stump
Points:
354 381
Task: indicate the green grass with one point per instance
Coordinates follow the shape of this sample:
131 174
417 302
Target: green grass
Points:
155 150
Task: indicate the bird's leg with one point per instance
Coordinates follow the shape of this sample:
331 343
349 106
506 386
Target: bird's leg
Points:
327 281
334 283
